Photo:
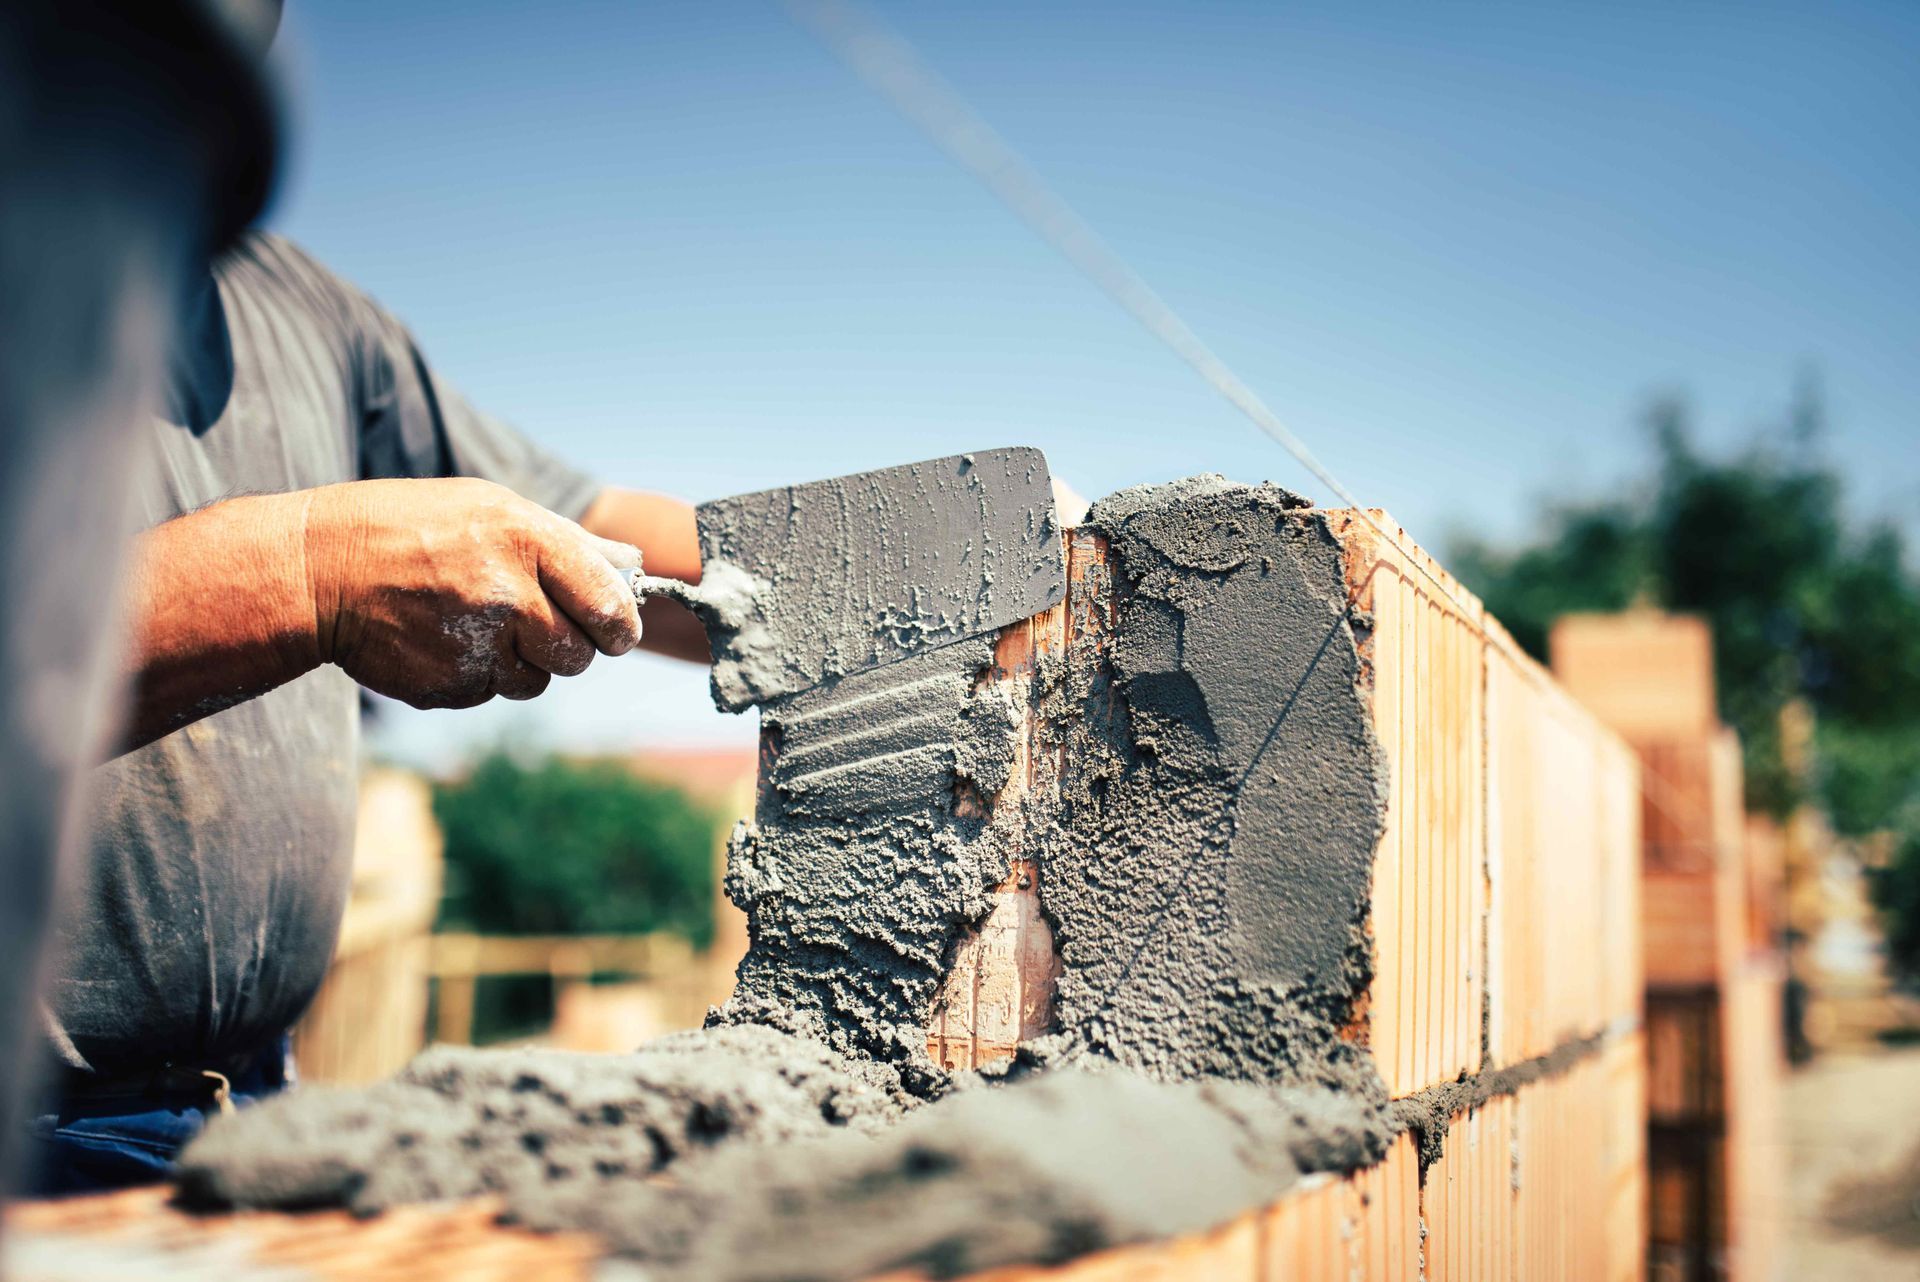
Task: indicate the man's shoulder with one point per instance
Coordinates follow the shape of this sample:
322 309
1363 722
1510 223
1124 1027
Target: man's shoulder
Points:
273 271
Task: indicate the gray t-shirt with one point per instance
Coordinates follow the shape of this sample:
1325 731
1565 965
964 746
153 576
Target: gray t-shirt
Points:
221 853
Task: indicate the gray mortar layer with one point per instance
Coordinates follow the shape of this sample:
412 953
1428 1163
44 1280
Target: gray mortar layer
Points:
1206 873
1429 1114
858 875
1209 875
459 1122
1043 1170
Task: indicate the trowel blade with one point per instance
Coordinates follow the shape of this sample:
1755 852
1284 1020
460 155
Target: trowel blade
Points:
845 575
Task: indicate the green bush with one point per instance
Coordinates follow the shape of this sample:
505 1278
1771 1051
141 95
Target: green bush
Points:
560 847
1805 603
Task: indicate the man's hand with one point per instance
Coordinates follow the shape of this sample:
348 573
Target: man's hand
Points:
441 593
445 593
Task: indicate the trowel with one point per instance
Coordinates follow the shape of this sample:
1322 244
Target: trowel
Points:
807 583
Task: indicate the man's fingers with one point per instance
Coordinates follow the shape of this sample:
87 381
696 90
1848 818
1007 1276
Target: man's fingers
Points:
622 556
553 643
458 694
518 677
583 582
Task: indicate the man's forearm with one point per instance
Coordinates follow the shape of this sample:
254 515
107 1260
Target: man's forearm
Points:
222 610
663 529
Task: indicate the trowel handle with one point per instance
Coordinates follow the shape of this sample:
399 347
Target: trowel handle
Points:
646 585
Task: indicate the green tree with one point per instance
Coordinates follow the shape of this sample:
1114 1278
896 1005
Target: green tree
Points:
1804 603
560 847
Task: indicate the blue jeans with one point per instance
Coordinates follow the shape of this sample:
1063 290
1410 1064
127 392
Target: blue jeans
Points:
95 1145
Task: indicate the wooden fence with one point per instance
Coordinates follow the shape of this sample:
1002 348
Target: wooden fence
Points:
370 1016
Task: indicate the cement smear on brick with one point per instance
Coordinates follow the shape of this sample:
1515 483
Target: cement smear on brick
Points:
1206 874
1209 873
859 873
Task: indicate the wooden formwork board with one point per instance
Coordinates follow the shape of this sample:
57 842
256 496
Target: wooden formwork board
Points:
370 1015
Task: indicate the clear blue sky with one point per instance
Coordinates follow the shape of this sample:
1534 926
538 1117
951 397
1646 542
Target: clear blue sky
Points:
1455 246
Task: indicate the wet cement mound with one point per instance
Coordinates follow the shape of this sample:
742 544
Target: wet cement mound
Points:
459 1122
1043 1170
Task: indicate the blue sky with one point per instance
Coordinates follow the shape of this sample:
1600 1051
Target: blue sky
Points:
1455 247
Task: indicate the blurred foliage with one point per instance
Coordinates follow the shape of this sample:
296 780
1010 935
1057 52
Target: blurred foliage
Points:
1804 603
561 847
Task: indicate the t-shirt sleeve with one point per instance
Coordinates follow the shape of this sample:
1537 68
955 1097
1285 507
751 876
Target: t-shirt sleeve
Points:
415 423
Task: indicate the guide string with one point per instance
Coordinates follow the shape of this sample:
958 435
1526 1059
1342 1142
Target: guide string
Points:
891 67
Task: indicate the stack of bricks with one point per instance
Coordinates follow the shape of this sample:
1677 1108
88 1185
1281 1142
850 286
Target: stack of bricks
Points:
1505 920
1711 892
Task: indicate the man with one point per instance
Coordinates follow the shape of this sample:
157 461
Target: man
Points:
296 545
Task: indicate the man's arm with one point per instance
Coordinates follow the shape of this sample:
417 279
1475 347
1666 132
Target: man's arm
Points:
442 593
662 528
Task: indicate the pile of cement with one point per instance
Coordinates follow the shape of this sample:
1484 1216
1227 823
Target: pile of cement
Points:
1206 875
1042 1170
459 1122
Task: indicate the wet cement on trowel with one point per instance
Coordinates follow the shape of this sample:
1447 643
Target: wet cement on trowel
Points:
1206 875
807 583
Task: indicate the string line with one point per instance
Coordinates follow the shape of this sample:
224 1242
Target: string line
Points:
892 68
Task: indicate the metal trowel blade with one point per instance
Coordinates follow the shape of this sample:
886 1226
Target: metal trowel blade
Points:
811 582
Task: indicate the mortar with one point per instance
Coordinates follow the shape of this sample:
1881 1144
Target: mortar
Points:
1178 762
